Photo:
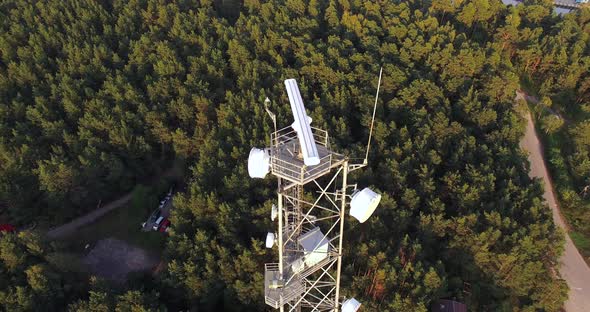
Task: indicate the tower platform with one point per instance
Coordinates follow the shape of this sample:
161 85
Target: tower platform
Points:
277 291
286 161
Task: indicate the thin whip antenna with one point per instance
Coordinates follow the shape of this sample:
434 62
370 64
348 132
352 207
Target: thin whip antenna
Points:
373 118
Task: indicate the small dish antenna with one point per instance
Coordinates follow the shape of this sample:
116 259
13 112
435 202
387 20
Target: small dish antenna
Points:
273 212
270 240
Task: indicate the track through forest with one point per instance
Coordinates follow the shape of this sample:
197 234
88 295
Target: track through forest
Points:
70 227
75 224
572 268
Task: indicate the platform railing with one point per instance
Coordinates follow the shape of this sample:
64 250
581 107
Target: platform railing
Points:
297 172
286 150
325 164
276 291
308 270
287 134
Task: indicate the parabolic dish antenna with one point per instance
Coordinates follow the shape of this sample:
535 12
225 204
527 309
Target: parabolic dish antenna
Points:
258 163
363 204
350 305
270 240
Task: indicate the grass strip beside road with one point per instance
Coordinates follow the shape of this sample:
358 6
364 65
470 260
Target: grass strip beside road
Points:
574 207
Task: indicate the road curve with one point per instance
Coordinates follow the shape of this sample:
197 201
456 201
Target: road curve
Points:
572 268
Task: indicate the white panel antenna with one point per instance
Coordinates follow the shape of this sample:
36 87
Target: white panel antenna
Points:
315 244
301 125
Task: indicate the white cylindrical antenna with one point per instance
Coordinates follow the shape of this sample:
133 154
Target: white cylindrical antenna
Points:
373 118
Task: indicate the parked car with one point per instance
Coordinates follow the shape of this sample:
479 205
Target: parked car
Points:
158 223
156 215
165 225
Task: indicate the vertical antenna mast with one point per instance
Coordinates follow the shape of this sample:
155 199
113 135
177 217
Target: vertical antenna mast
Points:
373 118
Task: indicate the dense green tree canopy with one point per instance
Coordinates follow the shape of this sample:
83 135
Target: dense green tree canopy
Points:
30 275
96 96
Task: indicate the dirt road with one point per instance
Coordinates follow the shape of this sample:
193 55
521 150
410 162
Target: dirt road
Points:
70 227
572 266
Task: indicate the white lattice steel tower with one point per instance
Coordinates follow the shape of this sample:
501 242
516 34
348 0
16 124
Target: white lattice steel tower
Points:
313 194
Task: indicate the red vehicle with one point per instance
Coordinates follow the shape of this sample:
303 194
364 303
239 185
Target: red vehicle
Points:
7 228
164 225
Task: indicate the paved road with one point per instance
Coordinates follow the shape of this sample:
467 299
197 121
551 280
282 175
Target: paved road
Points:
572 266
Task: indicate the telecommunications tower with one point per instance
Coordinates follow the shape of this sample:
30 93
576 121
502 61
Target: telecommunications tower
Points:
313 194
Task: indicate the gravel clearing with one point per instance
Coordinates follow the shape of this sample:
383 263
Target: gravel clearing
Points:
113 259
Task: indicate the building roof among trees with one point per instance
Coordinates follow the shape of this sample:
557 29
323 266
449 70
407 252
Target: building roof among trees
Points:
445 305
